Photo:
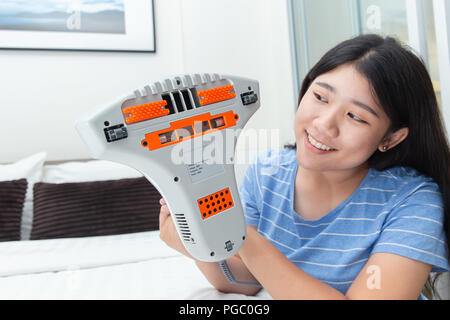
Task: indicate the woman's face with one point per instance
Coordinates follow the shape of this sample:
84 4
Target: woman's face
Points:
338 112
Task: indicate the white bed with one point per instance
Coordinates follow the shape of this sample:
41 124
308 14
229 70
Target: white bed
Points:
126 266
129 266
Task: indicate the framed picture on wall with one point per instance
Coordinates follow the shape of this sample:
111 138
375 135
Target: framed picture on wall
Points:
92 25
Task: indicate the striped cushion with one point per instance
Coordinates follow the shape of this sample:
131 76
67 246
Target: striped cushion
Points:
12 198
96 208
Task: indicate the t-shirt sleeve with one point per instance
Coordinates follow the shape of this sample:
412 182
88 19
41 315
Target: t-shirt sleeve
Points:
250 196
414 229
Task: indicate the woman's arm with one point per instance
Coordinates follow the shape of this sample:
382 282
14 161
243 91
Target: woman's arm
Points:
211 270
399 277
278 275
385 276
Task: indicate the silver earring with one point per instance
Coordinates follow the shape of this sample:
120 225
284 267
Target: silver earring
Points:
384 148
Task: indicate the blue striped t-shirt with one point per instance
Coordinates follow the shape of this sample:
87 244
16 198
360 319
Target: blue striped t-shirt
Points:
396 211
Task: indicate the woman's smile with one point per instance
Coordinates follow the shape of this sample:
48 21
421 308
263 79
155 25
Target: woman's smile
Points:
316 145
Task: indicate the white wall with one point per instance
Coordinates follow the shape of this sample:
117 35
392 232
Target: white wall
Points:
44 92
249 38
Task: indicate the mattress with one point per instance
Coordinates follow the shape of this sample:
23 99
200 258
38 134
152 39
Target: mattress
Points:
128 266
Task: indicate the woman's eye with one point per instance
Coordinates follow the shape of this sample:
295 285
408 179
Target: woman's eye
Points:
356 118
320 98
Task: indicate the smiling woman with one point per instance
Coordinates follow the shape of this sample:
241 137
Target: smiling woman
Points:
372 100
359 207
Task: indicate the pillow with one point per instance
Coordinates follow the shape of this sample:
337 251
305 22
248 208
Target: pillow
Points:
82 171
29 168
12 198
94 208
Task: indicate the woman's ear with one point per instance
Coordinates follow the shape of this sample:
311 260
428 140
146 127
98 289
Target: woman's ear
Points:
393 139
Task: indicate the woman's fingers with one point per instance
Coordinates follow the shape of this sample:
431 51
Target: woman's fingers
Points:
164 213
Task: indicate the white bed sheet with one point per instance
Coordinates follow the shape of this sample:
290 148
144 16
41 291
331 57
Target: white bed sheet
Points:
130 266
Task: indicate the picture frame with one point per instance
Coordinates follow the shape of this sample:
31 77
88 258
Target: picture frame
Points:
81 25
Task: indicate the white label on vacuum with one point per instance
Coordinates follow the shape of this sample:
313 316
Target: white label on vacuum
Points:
204 163
200 171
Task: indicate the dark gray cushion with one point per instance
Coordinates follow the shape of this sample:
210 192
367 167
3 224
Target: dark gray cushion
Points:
83 209
12 198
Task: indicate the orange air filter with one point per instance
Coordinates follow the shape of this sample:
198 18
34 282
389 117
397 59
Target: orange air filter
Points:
145 111
216 95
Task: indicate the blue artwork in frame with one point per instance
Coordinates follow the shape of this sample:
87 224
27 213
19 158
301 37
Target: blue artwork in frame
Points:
105 25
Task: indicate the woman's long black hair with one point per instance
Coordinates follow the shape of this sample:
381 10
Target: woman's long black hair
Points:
402 86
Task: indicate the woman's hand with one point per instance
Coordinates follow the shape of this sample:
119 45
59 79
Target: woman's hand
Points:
167 231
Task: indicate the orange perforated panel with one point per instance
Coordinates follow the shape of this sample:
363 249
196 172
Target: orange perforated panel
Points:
145 111
189 128
215 203
216 94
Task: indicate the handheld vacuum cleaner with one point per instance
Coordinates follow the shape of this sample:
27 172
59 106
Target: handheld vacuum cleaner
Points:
176 132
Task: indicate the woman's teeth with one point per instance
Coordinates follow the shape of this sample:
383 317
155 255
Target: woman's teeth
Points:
318 145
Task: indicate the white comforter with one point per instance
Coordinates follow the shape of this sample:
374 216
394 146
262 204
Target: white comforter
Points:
130 266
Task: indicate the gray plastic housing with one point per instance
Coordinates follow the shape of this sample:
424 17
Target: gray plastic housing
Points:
108 136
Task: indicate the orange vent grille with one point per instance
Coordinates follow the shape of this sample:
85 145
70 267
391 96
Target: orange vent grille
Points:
189 128
145 111
215 203
216 95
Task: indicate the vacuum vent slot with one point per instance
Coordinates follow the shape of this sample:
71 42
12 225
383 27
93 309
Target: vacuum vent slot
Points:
178 103
187 100
195 97
170 106
183 226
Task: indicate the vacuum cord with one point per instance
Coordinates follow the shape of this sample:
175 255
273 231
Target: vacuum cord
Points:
227 272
